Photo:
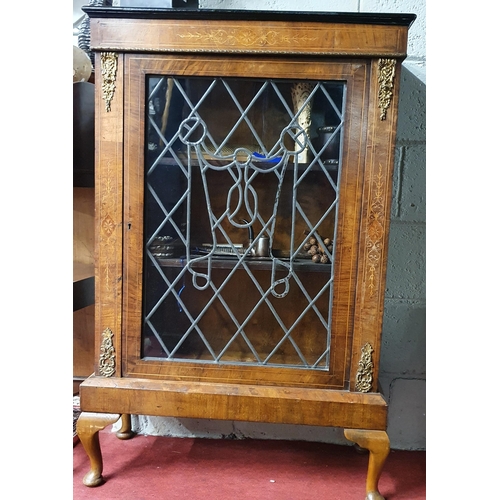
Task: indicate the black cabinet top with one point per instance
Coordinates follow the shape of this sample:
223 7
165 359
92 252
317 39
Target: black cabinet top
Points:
250 15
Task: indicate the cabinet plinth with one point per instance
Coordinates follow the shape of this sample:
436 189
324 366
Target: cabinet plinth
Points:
237 402
243 186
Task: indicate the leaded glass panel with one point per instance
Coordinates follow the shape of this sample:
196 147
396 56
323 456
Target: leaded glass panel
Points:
240 222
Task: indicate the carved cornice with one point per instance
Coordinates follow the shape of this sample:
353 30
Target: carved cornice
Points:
377 18
386 74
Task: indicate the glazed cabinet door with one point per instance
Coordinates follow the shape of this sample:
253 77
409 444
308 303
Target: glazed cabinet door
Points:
241 217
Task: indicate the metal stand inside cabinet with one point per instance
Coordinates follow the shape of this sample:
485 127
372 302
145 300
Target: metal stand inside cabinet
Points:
243 186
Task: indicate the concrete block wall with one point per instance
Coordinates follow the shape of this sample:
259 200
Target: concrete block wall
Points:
403 362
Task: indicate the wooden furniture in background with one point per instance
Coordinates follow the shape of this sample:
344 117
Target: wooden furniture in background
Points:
208 119
83 232
83 285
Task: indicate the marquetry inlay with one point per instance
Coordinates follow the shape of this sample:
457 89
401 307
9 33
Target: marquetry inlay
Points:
386 74
364 375
108 225
247 38
109 65
375 231
107 358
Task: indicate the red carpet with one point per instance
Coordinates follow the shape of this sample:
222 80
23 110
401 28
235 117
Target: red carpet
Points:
147 467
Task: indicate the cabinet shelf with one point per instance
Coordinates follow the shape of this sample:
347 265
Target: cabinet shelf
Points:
83 285
254 263
329 166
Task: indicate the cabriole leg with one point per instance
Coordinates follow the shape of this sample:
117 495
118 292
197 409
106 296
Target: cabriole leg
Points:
125 431
377 443
87 428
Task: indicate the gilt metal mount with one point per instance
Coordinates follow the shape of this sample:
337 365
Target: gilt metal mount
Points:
386 74
107 358
364 375
109 64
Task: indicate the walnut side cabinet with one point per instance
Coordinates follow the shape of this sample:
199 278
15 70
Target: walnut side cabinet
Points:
243 186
